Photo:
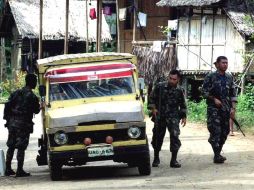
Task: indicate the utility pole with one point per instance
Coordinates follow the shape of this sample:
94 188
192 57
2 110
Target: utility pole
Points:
40 32
66 28
87 31
135 6
99 15
118 27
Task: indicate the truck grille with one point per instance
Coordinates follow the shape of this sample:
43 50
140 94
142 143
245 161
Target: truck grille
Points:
97 136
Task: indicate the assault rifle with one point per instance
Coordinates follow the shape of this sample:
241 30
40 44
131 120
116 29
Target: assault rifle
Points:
234 120
238 126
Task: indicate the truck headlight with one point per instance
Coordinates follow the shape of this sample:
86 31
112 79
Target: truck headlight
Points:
60 138
134 132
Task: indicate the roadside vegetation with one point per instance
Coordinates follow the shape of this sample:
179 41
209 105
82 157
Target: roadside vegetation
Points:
244 112
9 86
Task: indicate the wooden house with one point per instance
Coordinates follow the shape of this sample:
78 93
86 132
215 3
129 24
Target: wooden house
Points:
19 31
139 40
208 29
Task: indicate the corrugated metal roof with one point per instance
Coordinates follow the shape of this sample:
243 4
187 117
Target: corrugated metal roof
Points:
26 15
177 3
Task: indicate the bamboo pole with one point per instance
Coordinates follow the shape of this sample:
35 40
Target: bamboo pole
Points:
87 31
66 44
40 32
135 4
99 16
118 27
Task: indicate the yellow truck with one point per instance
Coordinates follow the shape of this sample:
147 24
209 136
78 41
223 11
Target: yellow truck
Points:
93 111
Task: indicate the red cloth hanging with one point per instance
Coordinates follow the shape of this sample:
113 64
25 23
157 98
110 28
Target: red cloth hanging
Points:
92 13
107 10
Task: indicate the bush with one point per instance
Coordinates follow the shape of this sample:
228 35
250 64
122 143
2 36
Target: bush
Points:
145 109
244 112
197 111
9 86
245 107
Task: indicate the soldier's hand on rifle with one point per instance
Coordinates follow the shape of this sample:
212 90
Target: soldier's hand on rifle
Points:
217 103
183 122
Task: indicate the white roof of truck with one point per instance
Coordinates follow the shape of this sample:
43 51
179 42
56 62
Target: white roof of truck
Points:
69 59
82 55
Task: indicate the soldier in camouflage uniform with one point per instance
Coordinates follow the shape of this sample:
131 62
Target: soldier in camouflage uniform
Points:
24 104
168 108
220 92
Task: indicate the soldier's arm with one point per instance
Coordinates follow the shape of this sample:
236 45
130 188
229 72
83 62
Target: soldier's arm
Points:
182 105
205 91
36 105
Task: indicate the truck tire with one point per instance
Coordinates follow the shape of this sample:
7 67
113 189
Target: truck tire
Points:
56 172
144 167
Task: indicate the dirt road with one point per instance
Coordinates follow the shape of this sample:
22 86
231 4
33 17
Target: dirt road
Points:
197 172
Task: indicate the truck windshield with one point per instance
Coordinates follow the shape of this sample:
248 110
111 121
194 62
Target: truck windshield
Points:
92 88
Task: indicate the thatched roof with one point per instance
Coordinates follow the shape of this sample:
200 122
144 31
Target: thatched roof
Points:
178 3
26 16
238 14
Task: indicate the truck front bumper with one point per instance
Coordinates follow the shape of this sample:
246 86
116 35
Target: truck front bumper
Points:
127 154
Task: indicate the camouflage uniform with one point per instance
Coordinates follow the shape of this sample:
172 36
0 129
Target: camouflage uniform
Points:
24 104
172 109
221 87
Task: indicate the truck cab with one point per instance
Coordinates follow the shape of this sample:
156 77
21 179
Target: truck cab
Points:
93 111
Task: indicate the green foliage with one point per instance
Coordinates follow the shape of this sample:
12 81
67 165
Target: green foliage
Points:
109 46
244 113
245 107
197 111
145 109
9 86
164 30
246 101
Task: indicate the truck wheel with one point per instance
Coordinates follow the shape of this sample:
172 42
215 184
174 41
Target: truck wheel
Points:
56 172
144 167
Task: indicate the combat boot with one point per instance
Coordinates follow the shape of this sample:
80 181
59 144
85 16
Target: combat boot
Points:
9 171
218 159
173 162
20 157
223 157
156 160
22 173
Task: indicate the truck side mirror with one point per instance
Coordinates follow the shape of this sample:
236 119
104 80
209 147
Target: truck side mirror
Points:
141 83
42 90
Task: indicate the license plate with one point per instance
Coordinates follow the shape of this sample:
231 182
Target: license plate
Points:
100 151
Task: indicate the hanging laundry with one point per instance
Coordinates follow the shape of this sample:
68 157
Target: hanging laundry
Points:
107 10
92 13
122 14
142 17
157 46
